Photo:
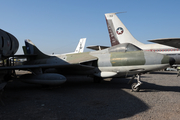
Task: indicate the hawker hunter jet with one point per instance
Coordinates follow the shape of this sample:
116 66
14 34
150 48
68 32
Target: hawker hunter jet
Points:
123 60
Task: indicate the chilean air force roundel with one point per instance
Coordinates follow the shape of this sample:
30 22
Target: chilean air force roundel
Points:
119 30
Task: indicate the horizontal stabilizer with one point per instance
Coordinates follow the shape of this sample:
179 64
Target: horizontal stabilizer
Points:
97 47
173 42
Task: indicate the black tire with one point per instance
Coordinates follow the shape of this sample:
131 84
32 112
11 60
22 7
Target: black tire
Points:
135 89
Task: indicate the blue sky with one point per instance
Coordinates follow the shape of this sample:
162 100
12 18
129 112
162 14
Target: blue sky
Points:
55 26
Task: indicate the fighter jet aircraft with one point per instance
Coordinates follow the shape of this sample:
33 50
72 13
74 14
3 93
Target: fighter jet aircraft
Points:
122 60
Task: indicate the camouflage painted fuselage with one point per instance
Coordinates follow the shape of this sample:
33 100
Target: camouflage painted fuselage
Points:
118 61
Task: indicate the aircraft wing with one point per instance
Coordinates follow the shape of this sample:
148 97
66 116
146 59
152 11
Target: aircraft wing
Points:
173 42
66 66
97 47
75 66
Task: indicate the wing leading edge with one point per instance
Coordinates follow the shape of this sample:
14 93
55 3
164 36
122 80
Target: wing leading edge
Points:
59 66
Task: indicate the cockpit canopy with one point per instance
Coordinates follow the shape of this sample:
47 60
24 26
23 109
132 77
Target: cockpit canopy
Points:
125 47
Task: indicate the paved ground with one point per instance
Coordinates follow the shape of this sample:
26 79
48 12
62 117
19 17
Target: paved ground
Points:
81 99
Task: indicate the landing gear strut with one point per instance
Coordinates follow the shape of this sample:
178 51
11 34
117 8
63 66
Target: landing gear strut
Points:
136 86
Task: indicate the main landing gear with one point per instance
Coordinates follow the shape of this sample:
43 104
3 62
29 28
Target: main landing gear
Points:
136 86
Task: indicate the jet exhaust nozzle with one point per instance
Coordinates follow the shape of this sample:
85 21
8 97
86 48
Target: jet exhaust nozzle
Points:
171 61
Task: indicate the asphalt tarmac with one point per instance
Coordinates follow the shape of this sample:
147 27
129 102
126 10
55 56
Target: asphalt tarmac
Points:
81 99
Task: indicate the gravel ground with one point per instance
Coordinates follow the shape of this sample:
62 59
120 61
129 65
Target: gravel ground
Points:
81 99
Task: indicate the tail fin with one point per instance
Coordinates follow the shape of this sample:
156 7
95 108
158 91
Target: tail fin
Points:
118 33
24 50
31 49
80 46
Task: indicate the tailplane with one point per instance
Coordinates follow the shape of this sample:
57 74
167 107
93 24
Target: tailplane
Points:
118 33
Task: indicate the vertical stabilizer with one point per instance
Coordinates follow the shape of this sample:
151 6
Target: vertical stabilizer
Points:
80 46
118 33
31 49
24 50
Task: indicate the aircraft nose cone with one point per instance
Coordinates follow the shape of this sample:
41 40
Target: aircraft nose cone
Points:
171 61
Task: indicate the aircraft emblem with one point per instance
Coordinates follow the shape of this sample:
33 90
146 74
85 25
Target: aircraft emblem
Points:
119 30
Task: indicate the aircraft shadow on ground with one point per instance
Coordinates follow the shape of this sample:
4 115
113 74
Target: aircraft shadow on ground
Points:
165 72
73 100
150 87
76 99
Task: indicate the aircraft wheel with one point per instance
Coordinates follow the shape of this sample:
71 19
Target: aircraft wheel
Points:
135 89
97 79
